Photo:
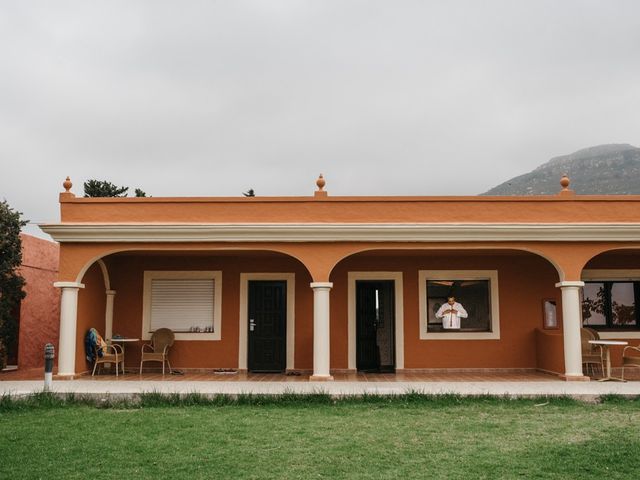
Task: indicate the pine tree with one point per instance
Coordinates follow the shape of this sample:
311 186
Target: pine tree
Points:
11 284
102 188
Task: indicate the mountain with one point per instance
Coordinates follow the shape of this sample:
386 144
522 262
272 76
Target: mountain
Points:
601 170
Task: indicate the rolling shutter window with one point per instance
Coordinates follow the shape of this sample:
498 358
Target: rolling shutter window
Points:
181 304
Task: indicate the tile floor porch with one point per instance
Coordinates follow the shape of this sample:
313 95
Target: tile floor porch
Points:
404 377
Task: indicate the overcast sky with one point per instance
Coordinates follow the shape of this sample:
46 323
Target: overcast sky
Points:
190 98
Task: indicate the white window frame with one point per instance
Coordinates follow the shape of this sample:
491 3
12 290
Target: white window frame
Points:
216 276
612 275
491 275
352 277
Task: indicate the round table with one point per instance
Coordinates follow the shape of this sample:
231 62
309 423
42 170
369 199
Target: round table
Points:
124 341
605 344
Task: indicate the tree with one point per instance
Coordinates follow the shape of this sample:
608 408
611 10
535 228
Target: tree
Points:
11 284
102 188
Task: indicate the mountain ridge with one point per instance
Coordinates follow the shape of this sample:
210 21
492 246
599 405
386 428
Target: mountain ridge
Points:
609 169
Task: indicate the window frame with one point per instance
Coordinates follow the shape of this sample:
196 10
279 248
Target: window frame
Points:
216 276
612 275
490 275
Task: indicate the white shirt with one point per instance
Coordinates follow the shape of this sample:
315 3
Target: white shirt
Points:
451 320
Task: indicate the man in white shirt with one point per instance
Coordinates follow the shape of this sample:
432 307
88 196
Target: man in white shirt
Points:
451 313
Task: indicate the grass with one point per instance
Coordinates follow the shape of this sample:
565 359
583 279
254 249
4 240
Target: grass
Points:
316 436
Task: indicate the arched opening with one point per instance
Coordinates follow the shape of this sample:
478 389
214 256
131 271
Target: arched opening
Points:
504 290
206 297
610 299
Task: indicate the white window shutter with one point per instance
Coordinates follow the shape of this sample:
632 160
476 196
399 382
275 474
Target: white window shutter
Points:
182 304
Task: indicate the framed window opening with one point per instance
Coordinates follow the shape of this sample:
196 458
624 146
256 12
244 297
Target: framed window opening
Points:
187 302
609 300
444 281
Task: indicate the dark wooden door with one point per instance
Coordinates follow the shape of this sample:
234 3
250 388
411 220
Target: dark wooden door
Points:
375 325
267 326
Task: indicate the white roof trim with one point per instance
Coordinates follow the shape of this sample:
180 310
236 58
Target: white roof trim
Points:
333 232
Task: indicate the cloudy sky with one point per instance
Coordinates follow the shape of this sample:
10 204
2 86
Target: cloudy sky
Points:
199 98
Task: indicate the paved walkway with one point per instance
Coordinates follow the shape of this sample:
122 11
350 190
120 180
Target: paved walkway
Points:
582 390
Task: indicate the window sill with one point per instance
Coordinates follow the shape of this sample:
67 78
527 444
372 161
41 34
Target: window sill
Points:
618 334
460 335
202 336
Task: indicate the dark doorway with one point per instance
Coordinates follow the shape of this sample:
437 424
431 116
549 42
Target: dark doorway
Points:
375 325
267 326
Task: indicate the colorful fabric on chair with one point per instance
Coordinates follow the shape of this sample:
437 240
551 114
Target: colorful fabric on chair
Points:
93 342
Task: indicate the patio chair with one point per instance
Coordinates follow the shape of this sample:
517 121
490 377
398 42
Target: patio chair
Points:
158 349
630 360
591 354
105 353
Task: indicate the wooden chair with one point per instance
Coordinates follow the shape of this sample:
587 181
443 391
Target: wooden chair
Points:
110 354
591 354
630 360
158 350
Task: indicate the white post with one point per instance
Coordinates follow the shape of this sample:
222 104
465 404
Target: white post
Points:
108 315
321 337
572 322
68 323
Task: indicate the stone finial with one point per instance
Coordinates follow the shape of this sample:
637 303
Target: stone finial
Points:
566 191
321 192
67 185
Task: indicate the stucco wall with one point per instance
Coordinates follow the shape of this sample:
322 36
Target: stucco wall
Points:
91 311
40 309
127 272
524 280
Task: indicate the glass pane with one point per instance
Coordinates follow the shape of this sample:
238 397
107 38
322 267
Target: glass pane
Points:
593 304
623 304
473 295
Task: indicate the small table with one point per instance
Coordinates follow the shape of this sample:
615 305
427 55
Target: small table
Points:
124 341
605 344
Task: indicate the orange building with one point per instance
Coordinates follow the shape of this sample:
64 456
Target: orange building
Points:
326 284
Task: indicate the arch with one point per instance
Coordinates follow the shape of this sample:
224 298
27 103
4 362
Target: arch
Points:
452 248
610 250
99 258
105 274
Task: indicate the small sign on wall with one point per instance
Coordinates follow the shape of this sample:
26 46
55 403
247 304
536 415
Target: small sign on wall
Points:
550 314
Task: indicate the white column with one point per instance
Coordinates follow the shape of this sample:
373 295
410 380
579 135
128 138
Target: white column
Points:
68 323
321 338
108 314
572 322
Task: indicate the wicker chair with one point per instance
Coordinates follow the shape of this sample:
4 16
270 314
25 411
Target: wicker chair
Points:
591 354
110 354
630 360
158 349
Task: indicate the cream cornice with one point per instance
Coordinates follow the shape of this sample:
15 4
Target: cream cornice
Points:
331 232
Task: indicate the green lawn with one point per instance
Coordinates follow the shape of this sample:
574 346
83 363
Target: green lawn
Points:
316 437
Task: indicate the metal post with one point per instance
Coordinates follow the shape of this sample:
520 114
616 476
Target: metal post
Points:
49 354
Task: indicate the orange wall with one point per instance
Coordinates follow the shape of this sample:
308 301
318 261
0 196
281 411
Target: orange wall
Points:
91 312
524 280
550 350
40 309
552 208
127 274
